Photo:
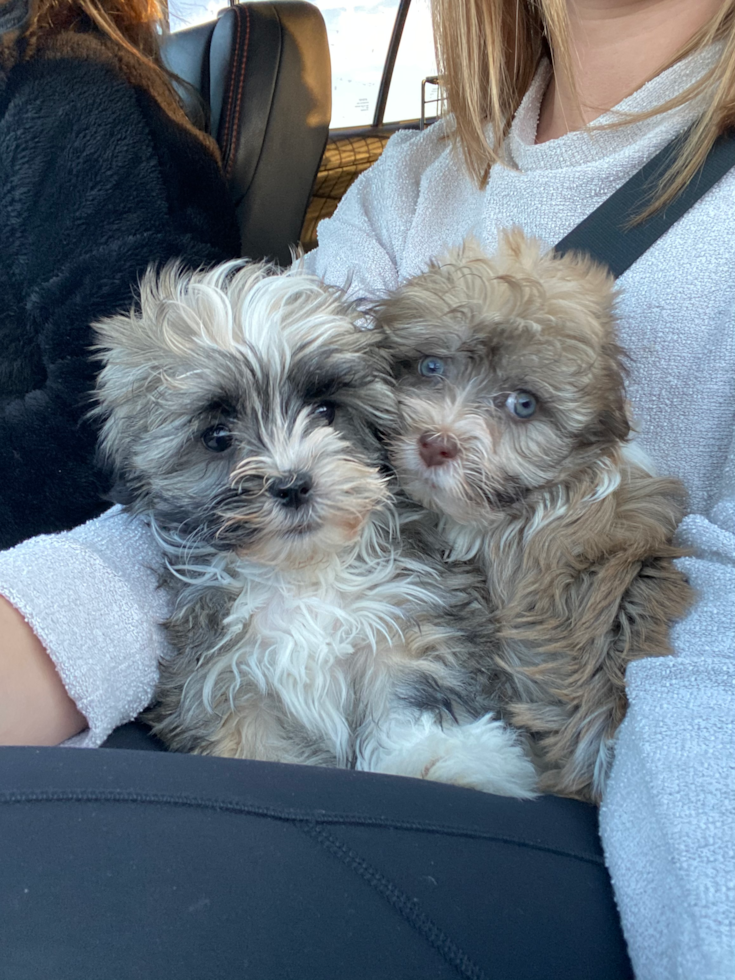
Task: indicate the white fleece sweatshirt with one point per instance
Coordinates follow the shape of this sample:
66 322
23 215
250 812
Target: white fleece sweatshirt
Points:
668 820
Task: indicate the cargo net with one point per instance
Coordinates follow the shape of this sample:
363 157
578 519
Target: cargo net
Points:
345 158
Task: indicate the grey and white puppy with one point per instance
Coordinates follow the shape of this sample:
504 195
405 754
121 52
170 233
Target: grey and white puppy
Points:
242 411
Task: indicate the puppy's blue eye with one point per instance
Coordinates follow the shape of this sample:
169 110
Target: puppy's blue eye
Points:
522 404
217 438
324 411
431 367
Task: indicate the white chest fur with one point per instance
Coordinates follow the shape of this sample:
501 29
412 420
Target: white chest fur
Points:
307 636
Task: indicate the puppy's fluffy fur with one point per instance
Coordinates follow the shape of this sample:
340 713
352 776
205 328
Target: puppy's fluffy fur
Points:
513 428
242 414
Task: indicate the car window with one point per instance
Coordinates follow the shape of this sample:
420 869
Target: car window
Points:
414 62
359 34
188 13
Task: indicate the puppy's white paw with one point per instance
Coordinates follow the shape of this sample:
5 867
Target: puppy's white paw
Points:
483 754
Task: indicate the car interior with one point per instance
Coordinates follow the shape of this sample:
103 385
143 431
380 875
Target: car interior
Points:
259 79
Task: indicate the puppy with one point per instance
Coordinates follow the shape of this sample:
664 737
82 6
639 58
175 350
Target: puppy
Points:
242 410
513 428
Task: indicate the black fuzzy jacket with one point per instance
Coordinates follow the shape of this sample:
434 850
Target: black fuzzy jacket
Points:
96 182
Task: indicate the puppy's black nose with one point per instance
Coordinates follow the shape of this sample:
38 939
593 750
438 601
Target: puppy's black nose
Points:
292 491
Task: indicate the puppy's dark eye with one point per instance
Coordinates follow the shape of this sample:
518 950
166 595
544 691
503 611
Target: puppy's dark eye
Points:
522 404
431 367
324 411
217 438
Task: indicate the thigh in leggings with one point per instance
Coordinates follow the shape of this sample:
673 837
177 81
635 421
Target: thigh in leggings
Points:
125 864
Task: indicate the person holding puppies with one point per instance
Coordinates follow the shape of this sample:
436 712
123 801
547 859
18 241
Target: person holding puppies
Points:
554 106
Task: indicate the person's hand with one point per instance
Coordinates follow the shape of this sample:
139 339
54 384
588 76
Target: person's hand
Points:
35 708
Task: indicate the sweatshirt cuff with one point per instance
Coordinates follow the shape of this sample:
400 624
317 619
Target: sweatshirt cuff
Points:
104 642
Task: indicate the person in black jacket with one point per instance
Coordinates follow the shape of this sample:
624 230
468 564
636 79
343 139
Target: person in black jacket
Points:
100 175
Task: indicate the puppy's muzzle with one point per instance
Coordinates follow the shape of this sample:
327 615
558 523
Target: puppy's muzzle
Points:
437 450
292 491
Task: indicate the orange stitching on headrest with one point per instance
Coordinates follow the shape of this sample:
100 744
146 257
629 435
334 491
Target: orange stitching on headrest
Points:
238 65
230 85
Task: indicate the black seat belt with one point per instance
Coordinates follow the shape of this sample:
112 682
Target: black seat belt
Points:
606 234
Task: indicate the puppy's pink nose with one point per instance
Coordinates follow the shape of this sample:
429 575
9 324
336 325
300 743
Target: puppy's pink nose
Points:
436 450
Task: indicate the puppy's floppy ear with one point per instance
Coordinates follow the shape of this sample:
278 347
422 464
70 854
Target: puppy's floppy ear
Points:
139 342
401 317
376 400
612 420
610 426
133 349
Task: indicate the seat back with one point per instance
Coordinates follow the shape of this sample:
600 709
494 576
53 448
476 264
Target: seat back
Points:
262 71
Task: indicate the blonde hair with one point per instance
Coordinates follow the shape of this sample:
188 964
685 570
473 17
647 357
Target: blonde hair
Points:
488 52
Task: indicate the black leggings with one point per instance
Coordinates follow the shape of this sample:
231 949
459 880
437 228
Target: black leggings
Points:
125 864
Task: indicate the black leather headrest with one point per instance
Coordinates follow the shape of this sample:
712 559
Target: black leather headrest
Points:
186 54
263 70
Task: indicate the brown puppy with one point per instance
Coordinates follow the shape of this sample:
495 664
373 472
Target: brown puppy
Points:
513 428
